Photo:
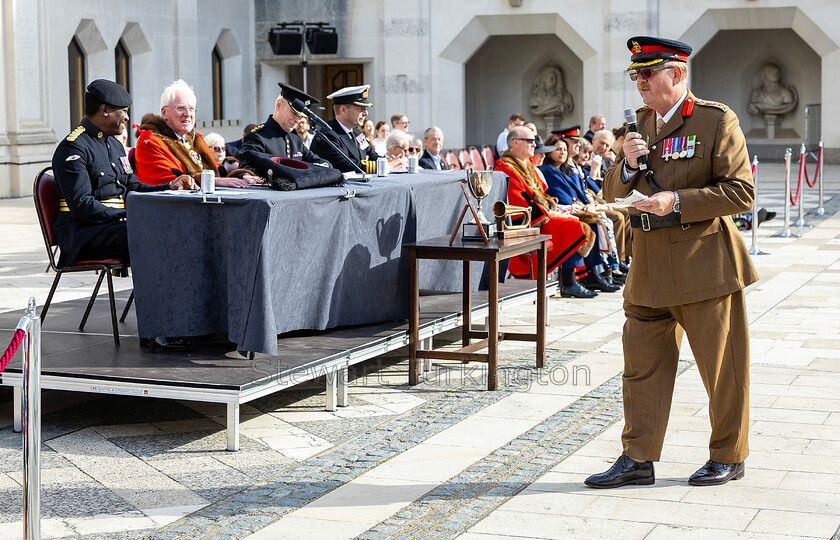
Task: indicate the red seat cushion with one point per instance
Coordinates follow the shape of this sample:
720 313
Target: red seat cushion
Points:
107 262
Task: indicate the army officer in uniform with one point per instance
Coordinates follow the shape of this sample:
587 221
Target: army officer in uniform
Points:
690 266
93 177
277 137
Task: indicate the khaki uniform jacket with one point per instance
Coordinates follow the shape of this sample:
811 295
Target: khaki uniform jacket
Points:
705 257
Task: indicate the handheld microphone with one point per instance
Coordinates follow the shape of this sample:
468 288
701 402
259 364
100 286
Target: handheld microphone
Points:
298 105
630 118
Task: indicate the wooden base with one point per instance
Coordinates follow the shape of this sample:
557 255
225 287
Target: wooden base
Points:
517 233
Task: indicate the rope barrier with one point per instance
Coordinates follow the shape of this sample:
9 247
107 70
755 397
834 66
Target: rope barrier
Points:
11 349
794 200
816 172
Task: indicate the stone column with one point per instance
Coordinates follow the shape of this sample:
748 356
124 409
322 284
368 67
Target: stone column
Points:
26 140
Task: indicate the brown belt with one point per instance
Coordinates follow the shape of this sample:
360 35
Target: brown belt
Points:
648 222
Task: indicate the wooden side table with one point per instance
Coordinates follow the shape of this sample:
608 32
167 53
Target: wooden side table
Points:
492 253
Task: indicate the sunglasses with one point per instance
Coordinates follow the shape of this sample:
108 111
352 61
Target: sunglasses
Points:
412 150
646 73
218 148
529 141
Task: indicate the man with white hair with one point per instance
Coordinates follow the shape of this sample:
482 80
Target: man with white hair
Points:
432 158
396 150
277 136
168 146
602 141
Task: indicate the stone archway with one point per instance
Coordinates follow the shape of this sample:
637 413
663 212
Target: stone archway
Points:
785 35
486 121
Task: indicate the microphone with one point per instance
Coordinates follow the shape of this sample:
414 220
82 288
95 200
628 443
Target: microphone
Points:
630 118
298 105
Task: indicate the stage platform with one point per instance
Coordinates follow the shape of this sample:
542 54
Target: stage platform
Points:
213 371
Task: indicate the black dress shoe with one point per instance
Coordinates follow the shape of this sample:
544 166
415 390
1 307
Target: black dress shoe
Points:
623 267
577 291
614 277
165 344
596 283
624 472
715 474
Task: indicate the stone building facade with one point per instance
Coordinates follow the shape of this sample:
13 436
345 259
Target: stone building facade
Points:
464 66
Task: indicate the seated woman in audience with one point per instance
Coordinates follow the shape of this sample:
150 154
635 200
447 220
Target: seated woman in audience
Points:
169 147
383 129
218 148
369 131
396 150
565 184
571 239
592 166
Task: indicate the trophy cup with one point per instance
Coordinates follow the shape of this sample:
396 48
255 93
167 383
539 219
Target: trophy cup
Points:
478 227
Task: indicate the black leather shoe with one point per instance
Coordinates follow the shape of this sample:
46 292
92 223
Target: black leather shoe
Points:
715 474
596 283
622 267
165 344
624 472
613 277
577 291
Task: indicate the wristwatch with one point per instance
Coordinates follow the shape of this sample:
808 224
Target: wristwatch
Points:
676 202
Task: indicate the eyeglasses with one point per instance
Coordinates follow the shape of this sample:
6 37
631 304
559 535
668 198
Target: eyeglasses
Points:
181 109
406 122
529 141
413 150
646 73
218 148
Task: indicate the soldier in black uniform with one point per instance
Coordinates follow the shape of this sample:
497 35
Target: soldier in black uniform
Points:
350 106
277 137
93 177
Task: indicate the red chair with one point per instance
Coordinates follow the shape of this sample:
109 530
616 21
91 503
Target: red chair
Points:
476 158
489 156
452 161
464 158
46 205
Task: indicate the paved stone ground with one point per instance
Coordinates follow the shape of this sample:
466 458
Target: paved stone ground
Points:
447 458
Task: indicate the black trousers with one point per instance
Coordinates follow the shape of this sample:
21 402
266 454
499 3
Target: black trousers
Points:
110 243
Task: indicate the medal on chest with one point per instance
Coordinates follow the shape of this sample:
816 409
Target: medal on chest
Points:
679 147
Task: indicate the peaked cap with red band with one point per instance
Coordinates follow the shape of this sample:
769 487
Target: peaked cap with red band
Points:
649 51
568 133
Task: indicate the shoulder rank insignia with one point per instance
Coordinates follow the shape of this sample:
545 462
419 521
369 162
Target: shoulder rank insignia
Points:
257 128
75 133
715 104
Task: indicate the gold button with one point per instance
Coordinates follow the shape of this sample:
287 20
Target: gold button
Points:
653 147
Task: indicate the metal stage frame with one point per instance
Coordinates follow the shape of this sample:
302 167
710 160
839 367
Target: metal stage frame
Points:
442 312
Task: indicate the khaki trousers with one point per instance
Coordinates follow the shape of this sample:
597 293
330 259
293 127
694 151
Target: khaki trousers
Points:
718 335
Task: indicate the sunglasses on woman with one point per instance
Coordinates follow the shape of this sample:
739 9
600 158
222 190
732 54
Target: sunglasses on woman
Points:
646 73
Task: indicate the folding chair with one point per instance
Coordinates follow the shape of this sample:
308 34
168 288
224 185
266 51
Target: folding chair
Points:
46 205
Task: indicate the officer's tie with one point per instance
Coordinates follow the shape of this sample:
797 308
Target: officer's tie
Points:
660 123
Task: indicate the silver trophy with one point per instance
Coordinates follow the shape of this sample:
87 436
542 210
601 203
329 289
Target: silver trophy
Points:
479 183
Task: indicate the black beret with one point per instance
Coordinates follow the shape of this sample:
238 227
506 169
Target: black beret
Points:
649 51
109 93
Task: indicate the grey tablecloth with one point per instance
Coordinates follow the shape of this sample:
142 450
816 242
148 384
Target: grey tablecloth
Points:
267 262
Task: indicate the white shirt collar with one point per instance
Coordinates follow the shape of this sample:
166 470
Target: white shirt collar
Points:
346 129
668 116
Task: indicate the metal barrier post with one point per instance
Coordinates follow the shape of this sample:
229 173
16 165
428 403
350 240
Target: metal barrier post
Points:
820 209
31 324
754 250
786 230
800 222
